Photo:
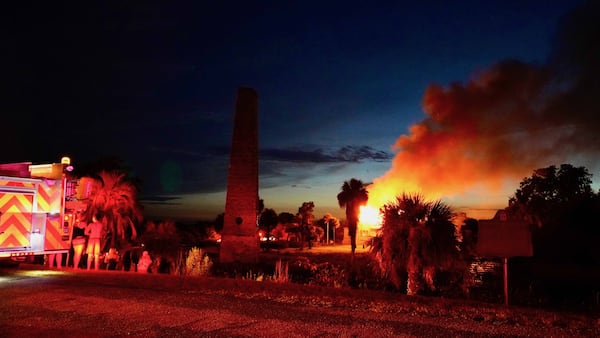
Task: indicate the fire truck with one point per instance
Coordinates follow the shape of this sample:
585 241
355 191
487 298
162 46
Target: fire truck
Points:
37 210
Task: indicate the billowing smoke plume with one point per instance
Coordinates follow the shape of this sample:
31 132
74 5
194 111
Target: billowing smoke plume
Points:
505 122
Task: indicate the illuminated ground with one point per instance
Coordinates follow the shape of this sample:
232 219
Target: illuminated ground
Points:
38 302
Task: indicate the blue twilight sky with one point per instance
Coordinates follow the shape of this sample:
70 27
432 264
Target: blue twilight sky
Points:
450 98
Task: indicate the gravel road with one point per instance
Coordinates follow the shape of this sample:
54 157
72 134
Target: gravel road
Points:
36 302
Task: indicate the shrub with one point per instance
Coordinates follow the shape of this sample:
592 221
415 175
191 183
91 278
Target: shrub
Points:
197 263
327 274
281 274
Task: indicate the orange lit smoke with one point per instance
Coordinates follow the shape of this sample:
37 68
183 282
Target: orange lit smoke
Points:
504 123
477 134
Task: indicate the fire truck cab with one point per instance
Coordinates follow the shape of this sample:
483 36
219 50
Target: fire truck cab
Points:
36 210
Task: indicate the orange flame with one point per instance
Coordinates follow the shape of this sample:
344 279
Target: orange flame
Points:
369 217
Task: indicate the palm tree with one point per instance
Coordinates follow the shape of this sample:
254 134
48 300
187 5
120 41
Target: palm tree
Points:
116 198
353 195
329 224
417 239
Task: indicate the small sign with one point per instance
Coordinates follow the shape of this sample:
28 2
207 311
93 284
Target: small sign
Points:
503 236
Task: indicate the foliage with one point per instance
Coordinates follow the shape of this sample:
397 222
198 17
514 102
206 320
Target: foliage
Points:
290 226
363 271
115 195
563 207
550 188
301 270
331 270
163 241
194 233
328 222
197 263
161 238
219 222
279 232
444 253
281 274
417 239
260 206
305 212
469 234
268 221
328 274
263 271
286 218
353 195
307 229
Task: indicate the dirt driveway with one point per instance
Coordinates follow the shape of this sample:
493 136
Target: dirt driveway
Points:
37 302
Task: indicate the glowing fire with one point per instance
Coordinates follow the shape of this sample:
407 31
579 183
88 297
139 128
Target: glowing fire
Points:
369 217
480 137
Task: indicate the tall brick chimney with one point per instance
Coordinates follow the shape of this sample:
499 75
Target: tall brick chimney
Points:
239 241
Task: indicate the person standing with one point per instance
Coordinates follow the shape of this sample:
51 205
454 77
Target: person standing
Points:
144 262
79 240
55 257
94 233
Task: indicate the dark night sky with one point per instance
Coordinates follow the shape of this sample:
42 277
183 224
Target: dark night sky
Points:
409 95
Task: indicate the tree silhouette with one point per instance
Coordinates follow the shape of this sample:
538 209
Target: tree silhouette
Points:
268 221
219 222
564 210
353 195
305 214
417 239
116 198
163 241
329 224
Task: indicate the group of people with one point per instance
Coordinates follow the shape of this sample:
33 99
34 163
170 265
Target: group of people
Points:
83 233
89 237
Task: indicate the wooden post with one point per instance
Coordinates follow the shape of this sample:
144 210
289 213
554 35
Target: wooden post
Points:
505 261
